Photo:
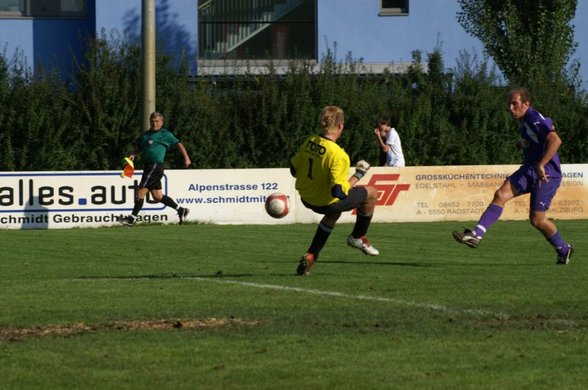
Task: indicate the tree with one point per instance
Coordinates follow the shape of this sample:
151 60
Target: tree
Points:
531 41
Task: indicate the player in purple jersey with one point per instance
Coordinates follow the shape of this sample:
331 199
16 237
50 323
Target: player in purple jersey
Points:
540 175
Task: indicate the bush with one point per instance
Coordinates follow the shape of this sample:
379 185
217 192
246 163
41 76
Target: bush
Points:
444 117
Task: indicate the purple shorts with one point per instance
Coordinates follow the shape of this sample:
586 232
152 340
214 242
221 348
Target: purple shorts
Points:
524 180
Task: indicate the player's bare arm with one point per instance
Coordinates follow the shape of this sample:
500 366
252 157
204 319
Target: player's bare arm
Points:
182 149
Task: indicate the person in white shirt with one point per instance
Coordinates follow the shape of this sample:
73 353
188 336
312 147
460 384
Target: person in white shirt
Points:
389 143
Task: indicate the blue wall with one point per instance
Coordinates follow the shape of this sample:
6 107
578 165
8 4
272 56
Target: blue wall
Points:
55 51
356 27
343 26
176 24
16 36
46 42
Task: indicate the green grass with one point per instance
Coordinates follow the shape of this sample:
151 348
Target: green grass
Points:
426 313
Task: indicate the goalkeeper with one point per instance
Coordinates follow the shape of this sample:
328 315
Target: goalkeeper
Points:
321 169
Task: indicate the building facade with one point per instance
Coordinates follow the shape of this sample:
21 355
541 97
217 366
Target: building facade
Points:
382 33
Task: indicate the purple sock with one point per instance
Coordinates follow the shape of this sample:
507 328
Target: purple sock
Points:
558 243
491 215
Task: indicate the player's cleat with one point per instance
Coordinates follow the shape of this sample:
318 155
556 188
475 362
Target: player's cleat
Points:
183 213
127 221
306 263
565 258
467 237
363 244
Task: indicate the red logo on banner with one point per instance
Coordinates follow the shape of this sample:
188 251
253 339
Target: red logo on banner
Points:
387 190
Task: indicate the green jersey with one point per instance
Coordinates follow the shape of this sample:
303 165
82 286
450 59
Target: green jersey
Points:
320 164
155 144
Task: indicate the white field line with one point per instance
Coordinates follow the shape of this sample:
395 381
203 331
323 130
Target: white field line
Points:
335 294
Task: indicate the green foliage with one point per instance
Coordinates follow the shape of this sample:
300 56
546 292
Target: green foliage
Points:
106 99
444 116
35 119
530 40
479 113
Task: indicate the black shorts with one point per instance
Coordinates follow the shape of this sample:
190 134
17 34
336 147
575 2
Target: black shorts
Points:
152 174
355 197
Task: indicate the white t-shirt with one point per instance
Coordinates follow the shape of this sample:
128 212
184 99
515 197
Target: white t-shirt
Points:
395 157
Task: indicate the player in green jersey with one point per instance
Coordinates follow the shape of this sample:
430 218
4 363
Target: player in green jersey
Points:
153 146
321 168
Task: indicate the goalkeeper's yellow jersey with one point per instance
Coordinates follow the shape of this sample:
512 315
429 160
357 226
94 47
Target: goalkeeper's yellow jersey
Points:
320 164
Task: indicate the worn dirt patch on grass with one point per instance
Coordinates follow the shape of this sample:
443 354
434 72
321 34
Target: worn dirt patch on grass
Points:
77 328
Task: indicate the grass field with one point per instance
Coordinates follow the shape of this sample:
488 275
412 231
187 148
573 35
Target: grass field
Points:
211 306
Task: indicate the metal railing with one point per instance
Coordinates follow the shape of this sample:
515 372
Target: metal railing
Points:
224 25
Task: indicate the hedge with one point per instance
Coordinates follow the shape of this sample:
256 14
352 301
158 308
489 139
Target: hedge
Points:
444 116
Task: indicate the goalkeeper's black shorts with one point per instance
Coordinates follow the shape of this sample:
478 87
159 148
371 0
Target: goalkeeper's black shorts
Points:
355 197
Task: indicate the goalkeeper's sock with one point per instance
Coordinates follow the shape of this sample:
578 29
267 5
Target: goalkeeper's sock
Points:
362 223
169 202
320 239
138 206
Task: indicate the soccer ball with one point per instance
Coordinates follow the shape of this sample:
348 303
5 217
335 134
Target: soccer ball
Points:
277 205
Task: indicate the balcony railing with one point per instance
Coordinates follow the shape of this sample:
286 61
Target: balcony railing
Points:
224 25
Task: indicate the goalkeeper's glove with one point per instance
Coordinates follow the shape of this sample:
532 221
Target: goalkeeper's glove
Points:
361 168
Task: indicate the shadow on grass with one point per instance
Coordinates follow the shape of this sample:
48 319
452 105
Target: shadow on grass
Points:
417 264
414 264
387 263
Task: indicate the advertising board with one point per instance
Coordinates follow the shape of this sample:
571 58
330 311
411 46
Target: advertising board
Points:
52 200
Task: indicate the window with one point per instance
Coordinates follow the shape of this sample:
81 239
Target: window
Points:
256 29
11 7
40 8
394 7
75 6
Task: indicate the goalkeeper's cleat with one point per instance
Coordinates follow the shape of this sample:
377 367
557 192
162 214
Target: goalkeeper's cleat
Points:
183 213
363 244
306 263
564 258
127 221
468 238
